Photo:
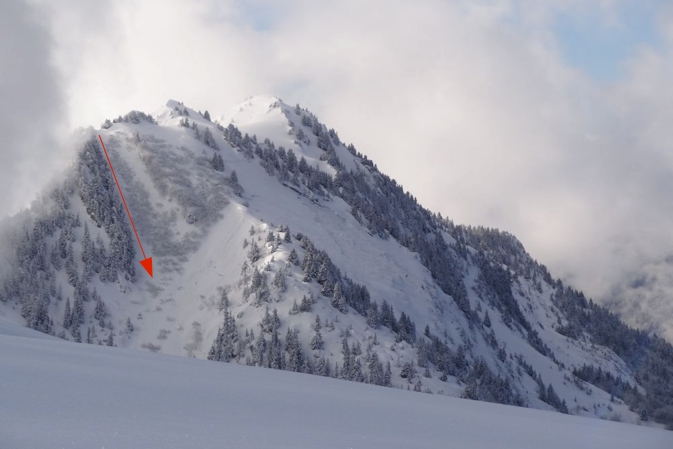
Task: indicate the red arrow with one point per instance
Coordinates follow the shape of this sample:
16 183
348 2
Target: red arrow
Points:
147 261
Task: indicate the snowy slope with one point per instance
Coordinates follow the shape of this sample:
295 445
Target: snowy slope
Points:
59 394
199 225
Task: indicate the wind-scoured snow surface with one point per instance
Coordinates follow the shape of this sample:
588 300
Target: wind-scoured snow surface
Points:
57 394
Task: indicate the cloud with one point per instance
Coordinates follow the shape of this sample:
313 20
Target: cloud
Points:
33 106
471 105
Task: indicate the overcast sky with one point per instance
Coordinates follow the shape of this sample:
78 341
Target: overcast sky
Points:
549 119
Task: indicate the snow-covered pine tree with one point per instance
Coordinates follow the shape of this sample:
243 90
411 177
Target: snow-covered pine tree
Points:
274 355
317 342
67 315
253 252
373 315
217 162
306 303
338 301
293 257
100 312
224 301
323 367
296 359
225 344
346 359
77 314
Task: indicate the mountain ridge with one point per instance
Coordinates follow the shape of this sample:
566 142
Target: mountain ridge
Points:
240 228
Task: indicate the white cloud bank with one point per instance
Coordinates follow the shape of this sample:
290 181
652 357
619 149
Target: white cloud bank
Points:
468 104
33 112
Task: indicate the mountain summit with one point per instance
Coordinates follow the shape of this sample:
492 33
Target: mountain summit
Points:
277 245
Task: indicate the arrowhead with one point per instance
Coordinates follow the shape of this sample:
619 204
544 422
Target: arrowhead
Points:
147 265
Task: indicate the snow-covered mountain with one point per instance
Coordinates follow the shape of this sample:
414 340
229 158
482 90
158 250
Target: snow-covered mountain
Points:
277 245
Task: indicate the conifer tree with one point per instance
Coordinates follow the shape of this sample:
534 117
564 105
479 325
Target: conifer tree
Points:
217 162
100 312
487 320
346 358
279 281
253 253
408 371
67 315
306 303
275 359
76 334
295 308
322 368
77 314
208 138
224 346
317 342
293 348
224 301
70 266
270 322
373 315
260 349
338 301
293 258
376 373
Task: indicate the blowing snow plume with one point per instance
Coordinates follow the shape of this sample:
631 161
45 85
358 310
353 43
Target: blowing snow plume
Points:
32 114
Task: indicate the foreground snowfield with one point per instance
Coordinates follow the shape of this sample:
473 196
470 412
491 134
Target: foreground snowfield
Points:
57 394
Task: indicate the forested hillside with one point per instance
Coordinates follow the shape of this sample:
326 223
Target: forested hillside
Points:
277 245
